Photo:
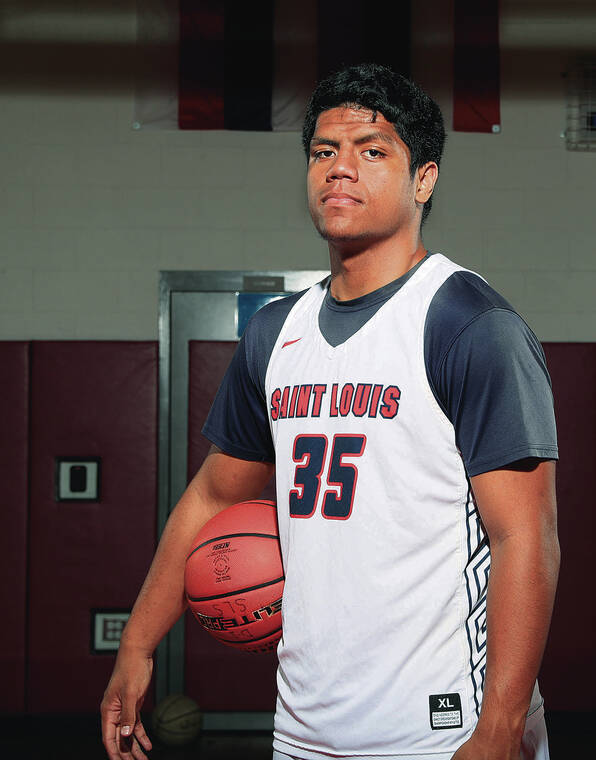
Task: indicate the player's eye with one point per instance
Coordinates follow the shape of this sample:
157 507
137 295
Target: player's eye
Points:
373 153
325 153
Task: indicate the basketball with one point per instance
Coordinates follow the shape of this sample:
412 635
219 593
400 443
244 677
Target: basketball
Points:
234 577
176 720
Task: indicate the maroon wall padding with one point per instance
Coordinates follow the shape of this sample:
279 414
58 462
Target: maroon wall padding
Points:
207 364
569 667
208 361
217 676
87 399
14 413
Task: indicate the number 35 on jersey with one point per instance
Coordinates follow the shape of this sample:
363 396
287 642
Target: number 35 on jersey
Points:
326 475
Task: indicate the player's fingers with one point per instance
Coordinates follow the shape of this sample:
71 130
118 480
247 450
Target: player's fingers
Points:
141 736
128 717
110 733
111 745
128 748
137 751
124 745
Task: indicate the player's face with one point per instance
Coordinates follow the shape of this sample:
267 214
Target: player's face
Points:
359 183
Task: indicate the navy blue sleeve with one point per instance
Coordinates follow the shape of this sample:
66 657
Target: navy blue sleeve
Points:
238 421
488 373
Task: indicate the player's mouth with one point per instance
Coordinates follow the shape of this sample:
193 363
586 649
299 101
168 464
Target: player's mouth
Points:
339 199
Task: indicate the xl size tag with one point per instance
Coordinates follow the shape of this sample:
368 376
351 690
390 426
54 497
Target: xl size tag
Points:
445 711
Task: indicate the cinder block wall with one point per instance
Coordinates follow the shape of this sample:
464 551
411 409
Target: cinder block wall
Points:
91 210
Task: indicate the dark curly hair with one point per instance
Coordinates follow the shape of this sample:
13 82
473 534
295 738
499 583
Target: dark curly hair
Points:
416 117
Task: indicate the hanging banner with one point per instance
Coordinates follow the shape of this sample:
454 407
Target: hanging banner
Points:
476 74
216 64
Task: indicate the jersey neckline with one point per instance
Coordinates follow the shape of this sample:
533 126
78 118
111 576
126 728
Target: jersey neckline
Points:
375 296
374 301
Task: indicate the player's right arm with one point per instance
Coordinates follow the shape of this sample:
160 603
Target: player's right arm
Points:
222 480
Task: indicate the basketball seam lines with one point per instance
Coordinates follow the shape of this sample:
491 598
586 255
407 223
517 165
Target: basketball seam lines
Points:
164 721
235 593
230 535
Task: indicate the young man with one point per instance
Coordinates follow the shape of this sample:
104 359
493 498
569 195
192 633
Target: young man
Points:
408 411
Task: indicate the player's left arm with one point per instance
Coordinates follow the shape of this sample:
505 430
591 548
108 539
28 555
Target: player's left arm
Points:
518 509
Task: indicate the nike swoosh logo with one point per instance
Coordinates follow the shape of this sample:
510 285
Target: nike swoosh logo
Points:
289 342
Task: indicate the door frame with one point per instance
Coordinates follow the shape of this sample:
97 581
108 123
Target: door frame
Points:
169 678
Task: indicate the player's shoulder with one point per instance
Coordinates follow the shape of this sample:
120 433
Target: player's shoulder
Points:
466 303
461 299
464 295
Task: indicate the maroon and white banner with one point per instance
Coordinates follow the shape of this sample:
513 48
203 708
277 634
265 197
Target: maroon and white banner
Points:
217 64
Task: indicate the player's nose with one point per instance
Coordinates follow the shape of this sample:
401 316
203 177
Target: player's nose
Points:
343 167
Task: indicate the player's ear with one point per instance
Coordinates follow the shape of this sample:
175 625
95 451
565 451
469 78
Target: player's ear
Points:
426 177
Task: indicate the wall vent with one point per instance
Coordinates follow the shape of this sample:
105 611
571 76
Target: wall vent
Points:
580 133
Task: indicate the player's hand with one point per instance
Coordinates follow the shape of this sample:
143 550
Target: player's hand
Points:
479 749
122 731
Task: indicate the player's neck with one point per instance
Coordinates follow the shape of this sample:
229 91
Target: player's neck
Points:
355 273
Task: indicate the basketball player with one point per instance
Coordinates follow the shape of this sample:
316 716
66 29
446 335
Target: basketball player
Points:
408 411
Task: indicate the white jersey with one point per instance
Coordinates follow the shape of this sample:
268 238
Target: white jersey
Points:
386 560
381 551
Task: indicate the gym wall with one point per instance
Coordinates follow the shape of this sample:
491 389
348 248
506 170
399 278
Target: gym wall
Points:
14 465
90 212
569 659
61 561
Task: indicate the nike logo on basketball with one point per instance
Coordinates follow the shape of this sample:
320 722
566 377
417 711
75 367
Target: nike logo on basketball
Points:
289 342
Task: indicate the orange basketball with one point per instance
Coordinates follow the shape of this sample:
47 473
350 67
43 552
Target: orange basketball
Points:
234 577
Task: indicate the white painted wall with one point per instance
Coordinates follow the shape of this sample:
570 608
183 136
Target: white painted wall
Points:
91 210
517 206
